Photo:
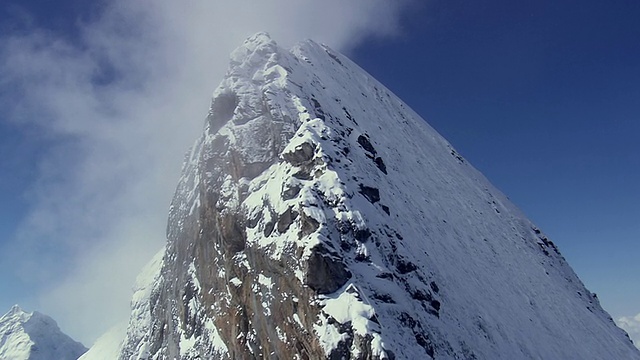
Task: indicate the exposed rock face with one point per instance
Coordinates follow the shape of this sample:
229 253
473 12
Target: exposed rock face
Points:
319 217
35 336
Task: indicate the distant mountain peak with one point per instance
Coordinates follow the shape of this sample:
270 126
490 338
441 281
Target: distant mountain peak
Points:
35 336
16 310
259 38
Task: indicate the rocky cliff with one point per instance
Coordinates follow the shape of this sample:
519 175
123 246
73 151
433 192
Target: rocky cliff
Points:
319 217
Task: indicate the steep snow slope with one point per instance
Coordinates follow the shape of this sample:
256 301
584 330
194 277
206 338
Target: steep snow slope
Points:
136 343
110 345
34 336
319 216
107 346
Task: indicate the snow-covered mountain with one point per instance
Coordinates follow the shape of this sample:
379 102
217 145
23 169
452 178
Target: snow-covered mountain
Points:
319 217
35 336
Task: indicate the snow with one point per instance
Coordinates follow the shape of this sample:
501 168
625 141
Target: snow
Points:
186 345
296 318
281 335
218 345
348 307
264 288
107 346
329 336
265 281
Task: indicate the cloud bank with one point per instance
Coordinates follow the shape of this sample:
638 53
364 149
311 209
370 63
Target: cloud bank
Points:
118 104
632 326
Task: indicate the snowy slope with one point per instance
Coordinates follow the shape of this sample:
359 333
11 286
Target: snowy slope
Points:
136 342
319 216
110 345
34 336
107 346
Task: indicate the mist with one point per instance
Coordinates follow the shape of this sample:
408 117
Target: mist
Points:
117 106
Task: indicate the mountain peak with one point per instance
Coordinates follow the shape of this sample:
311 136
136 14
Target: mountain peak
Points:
34 336
319 217
253 49
16 309
259 38
15 314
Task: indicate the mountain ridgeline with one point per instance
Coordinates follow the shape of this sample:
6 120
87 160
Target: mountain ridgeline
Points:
35 336
319 217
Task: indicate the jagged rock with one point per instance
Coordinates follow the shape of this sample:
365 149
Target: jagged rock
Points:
286 219
302 154
291 191
308 225
326 273
372 194
366 144
380 164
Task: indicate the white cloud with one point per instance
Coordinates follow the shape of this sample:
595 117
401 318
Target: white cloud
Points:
632 326
121 106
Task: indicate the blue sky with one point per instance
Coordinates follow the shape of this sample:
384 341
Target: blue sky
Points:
542 97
